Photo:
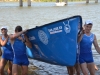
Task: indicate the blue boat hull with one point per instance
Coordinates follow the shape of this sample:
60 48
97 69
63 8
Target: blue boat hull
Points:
56 42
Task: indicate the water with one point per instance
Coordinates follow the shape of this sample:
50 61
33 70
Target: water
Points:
39 14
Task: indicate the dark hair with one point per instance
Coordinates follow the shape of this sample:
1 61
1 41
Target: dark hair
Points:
18 29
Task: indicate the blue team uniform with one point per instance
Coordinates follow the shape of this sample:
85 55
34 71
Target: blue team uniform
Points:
20 57
86 49
7 51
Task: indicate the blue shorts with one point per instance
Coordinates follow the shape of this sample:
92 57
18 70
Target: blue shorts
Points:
86 58
23 60
8 56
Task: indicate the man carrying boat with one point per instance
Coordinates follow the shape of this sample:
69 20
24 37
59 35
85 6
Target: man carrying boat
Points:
19 41
7 52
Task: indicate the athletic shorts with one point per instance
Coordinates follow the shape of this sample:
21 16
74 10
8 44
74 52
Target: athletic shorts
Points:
86 58
8 56
21 61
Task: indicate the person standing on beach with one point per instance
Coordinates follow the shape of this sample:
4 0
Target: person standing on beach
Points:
19 41
86 39
7 52
76 68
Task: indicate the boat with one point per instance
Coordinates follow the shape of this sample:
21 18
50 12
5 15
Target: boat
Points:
60 4
55 42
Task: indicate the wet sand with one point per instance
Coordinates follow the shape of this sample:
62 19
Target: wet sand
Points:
31 70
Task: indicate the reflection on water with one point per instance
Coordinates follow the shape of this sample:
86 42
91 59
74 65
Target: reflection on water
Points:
39 14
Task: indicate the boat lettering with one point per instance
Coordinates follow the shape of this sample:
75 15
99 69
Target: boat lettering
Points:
55 30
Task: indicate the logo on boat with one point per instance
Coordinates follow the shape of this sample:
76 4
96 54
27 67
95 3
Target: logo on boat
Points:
67 27
43 37
55 30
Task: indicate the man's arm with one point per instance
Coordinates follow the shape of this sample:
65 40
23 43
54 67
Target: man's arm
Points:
3 42
17 34
96 44
27 42
79 38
